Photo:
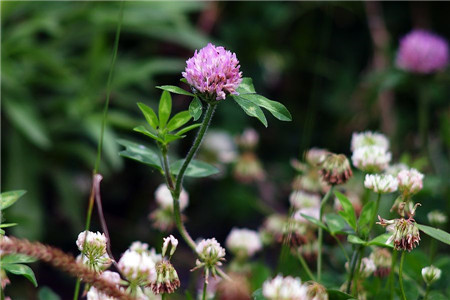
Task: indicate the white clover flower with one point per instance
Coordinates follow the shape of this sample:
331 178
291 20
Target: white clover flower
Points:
221 145
381 183
165 200
94 294
316 156
94 240
368 138
138 247
371 159
169 240
367 267
138 267
436 217
396 168
410 181
93 250
301 199
244 241
210 250
249 138
310 211
431 274
285 288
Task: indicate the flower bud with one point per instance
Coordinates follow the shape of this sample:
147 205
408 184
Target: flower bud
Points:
336 169
169 240
381 183
382 259
248 140
431 274
137 264
167 280
436 218
243 242
317 291
210 252
410 182
164 198
93 248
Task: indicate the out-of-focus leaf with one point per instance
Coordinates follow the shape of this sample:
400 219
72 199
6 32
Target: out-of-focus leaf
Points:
195 169
143 130
23 270
338 295
165 108
196 108
251 109
335 223
246 86
28 121
355 240
315 222
178 120
258 295
349 212
17 258
260 272
381 240
149 115
140 153
6 225
9 198
188 128
172 137
45 293
435 233
174 89
366 217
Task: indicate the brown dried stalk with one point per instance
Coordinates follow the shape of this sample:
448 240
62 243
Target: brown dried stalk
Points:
62 261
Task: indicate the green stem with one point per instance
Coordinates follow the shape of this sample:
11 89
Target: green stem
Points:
400 275
342 247
357 271
427 292
320 237
305 267
205 285
375 213
179 180
352 269
391 275
166 167
102 132
163 296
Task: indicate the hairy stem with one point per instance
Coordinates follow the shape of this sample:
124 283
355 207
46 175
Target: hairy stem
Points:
320 237
179 180
400 275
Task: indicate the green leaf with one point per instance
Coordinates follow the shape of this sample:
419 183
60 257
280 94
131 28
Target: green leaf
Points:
258 295
381 240
277 109
366 217
143 130
349 212
165 108
435 233
149 115
17 258
174 89
9 198
184 80
338 295
246 86
179 120
315 222
196 108
140 153
195 169
172 137
188 128
45 293
2 232
251 109
355 240
5 225
23 270
335 223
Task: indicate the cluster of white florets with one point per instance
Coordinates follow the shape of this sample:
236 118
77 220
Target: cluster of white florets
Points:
93 250
243 242
381 183
285 288
370 151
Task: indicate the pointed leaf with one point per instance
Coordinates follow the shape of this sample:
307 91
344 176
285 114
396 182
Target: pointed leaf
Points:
140 153
338 295
165 108
251 109
277 109
355 240
45 293
366 217
143 130
315 222
17 258
5 225
178 120
149 115
258 295
381 240
435 233
174 89
23 270
196 108
335 223
349 212
195 169
246 86
9 198
188 128
172 137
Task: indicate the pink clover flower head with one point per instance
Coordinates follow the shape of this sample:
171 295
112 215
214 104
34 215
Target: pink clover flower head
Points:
213 71
422 52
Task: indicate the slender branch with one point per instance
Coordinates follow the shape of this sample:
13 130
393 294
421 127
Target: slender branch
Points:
352 269
390 280
305 266
319 252
179 180
205 286
427 292
342 247
400 275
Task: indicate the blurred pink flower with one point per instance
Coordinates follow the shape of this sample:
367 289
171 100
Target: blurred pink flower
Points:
213 71
422 52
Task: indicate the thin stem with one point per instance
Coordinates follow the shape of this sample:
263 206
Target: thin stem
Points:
166 167
357 271
179 180
305 267
375 213
342 247
427 291
205 285
400 275
352 269
163 296
319 252
391 275
102 132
